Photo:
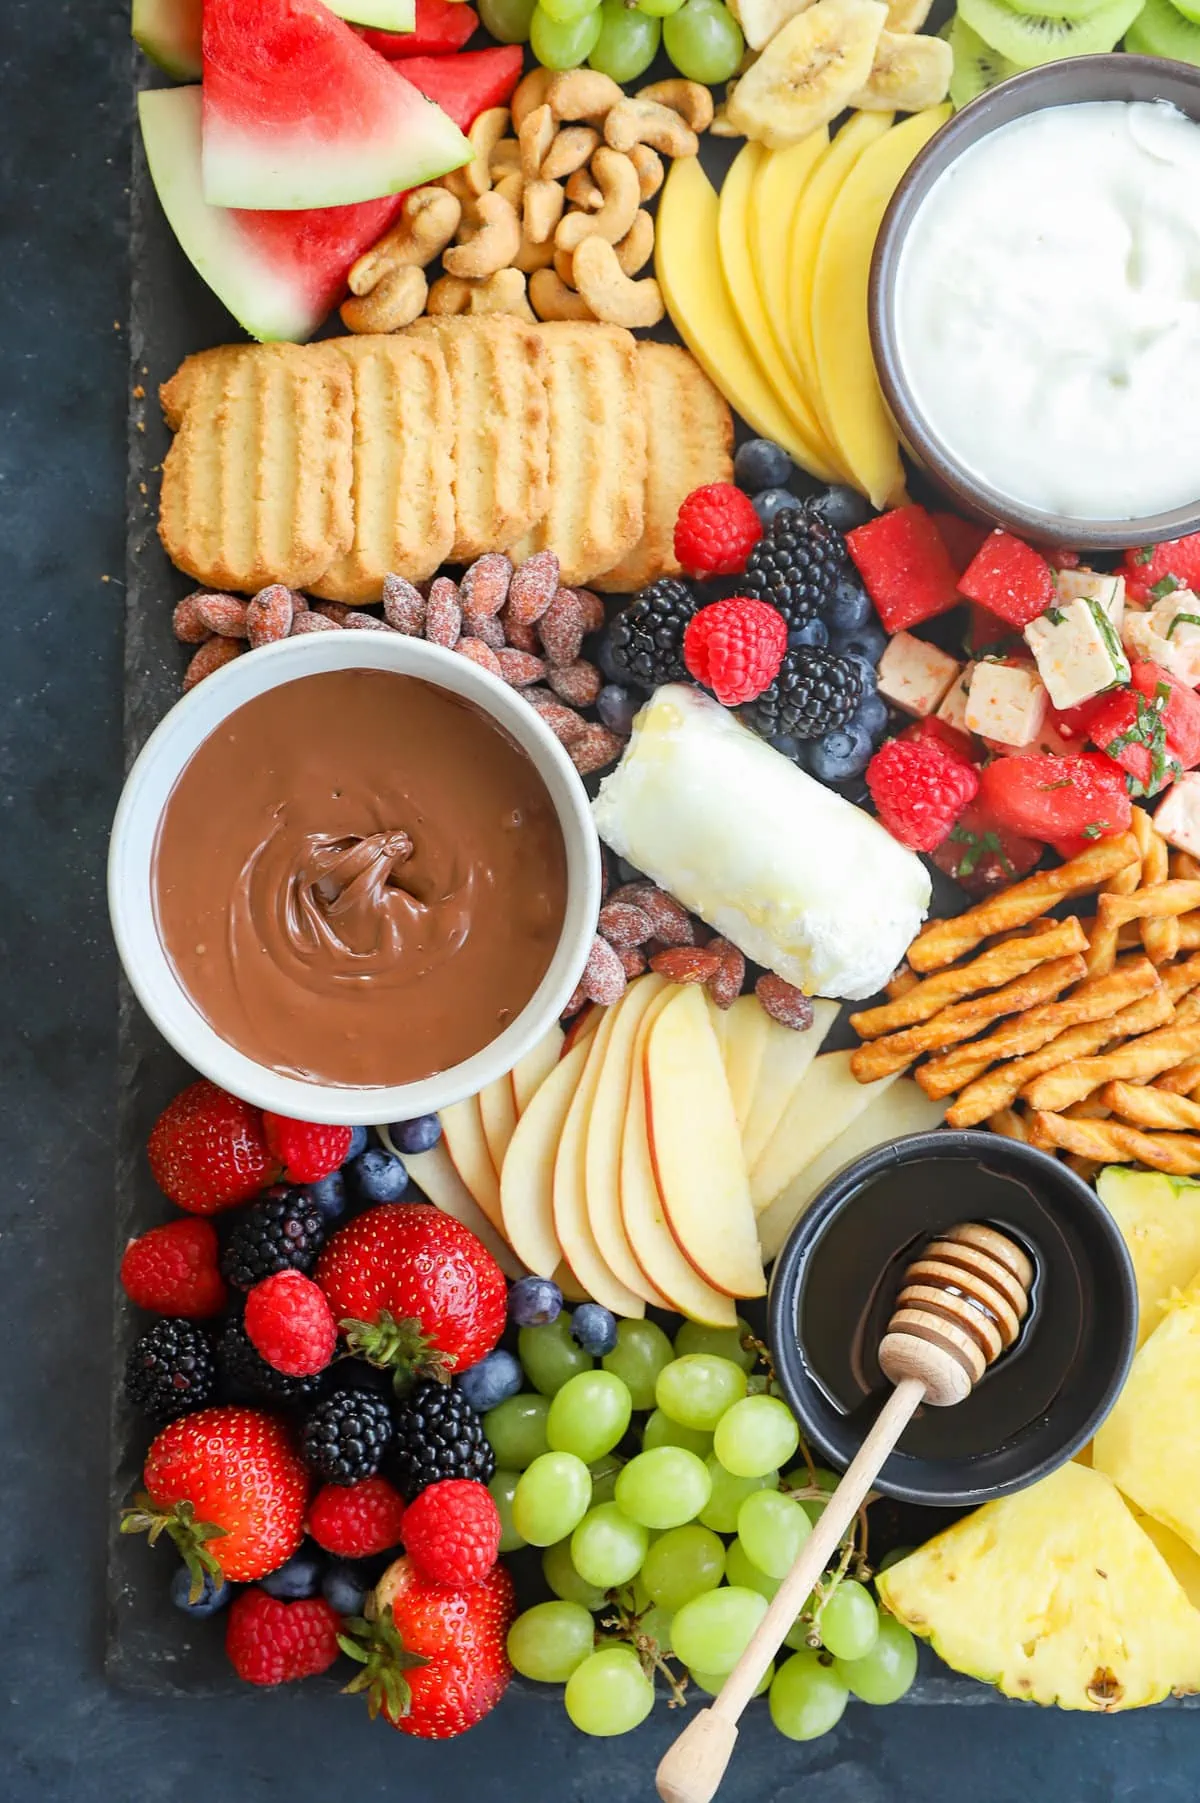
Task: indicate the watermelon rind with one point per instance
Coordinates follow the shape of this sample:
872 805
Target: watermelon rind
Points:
169 33
384 15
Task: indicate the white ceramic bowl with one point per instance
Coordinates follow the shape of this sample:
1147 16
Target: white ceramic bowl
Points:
131 855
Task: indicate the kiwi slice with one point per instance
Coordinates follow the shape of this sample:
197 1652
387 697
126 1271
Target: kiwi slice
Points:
1161 29
977 67
1027 40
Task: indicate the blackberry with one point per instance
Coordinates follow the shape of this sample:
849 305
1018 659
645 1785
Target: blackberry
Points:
437 1434
346 1436
283 1232
170 1370
796 565
815 692
646 638
246 1376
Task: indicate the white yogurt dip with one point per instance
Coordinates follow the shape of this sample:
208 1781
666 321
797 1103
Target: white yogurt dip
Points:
1047 310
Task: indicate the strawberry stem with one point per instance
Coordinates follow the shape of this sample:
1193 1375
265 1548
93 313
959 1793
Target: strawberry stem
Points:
376 1645
188 1536
402 1347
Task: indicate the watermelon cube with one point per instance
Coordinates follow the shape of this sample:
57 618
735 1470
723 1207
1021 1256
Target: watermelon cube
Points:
1151 729
468 83
1143 569
1010 578
905 567
962 538
440 26
1054 798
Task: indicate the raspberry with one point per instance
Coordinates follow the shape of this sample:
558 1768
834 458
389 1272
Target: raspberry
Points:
920 787
735 648
356 1521
269 1642
290 1324
452 1532
173 1270
307 1152
716 530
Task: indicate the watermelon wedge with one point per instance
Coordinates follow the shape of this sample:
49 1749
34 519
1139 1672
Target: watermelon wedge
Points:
300 113
469 83
439 26
169 33
279 274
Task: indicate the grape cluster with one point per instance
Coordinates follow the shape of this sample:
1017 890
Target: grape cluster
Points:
701 37
678 1548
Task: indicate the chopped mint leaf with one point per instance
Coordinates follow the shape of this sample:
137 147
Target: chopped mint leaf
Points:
1145 555
1183 620
1165 586
1055 615
1096 829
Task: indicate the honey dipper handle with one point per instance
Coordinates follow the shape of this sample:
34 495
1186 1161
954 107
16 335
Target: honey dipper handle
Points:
692 1768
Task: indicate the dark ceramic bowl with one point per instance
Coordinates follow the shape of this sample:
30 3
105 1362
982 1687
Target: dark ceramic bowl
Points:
1079 79
835 1283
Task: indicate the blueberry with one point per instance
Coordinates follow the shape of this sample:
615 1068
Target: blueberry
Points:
298 1579
378 1177
761 463
215 1595
868 672
812 636
616 706
604 658
849 607
842 508
868 642
785 745
594 1328
872 715
420 1135
770 501
329 1194
360 1139
344 1588
533 1301
491 1381
841 754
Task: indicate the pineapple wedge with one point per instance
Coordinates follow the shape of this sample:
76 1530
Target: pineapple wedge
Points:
1159 1218
908 73
1055 1595
808 71
1150 1444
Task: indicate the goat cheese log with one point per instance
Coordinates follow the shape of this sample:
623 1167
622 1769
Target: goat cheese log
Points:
798 878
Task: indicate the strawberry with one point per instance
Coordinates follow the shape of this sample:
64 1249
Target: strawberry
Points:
306 1150
452 1532
207 1150
290 1324
414 1289
356 1521
172 1270
228 1488
271 1642
434 1658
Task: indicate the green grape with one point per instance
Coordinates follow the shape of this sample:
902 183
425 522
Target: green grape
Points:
655 1624
607 1548
563 46
660 1430
628 41
728 1494
722 1342
741 1570
698 1389
712 1681
516 1429
887 1671
797 1635
802 1479
893 1558
849 1622
565 12
704 41
566 1582
589 1415
551 1498
641 1352
713 1631
507 20
772 1528
659 9
550 1640
757 1434
609 1693
684 1563
502 1487
664 1488
605 1473
807 1697
550 1356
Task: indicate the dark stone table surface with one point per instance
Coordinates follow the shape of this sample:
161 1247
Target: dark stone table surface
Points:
65 1736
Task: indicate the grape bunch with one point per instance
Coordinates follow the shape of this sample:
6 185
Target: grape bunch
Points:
701 37
663 1562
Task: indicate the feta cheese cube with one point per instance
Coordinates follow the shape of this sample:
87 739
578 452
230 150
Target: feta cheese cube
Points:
1090 585
954 707
1177 816
1077 650
913 675
1167 634
1007 702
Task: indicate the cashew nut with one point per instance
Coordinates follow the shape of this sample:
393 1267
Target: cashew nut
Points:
690 99
455 182
542 209
505 157
486 132
609 292
536 136
494 241
582 191
720 127
569 151
532 256
511 187
503 292
617 180
649 166
637 246
564 261
396 300
552 299
530 92
646 122
582 94
428 220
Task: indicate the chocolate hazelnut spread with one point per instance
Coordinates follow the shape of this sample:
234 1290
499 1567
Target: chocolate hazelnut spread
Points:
359 879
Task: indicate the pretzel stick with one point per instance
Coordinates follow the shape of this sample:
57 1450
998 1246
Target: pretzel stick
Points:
1160 936
1108 1142
1158 902
944 941
900 984
1180 979
1138 1059
1182 1080
1086 1168
1149 1107
1001 964
1189 932
1008 1122
1104 938
1185 866
1092 1108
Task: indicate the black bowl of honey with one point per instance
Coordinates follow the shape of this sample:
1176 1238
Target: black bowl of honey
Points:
837 1280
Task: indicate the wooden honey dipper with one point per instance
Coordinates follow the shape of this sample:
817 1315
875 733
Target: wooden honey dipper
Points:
960 1306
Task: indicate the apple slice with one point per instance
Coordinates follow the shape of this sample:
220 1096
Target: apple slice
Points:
434 1172
569 1284
902 1108
583 1026
785 1061
642 1213
571 1222
527 1180
462 1131
697 1148
498 1117
602 1162
719 1018
825 1104
530 1072
743 1047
